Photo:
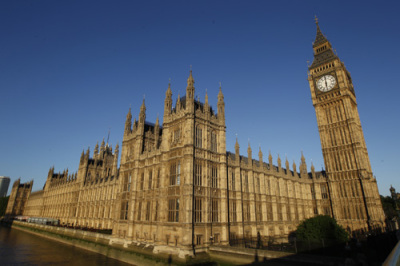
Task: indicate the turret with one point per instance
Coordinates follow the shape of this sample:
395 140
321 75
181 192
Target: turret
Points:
237 155
294 169
96 149
82 157
287 166
156 133
303 167
221 105
178 103
260 157
312 170
87 153
270 159
190 93
206 105
249 155
142 114
115 162
102 146
168 101
279 163
128 122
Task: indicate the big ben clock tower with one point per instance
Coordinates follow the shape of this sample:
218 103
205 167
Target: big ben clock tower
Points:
354 193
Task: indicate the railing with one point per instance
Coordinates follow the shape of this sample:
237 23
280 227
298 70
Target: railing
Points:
394 256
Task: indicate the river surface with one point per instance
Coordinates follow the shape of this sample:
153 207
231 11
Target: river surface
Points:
21 248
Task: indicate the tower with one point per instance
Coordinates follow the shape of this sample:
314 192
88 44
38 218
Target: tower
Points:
355 198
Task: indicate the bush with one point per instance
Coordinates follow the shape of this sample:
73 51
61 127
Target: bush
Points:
321 227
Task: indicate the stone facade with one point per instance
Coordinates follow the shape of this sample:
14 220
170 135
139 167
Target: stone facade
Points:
18 198
179 189
85 198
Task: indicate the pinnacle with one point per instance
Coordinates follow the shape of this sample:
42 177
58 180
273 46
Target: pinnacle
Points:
319 38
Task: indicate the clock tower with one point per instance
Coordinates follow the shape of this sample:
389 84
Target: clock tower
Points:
354 193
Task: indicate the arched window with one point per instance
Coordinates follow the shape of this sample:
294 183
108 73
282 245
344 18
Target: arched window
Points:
213 141
199 137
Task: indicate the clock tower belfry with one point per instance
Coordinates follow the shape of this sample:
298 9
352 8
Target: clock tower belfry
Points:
354 192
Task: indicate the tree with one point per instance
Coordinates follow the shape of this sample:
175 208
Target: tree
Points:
321 227
389 207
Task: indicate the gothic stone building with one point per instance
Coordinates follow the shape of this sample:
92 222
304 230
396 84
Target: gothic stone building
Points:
178 188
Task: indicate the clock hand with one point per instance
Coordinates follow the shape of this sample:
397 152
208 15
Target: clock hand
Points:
326 83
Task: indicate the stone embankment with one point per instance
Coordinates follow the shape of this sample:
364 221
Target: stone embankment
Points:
139 254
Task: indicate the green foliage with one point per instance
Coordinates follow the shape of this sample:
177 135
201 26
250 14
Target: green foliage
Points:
389 207
321 227
3 205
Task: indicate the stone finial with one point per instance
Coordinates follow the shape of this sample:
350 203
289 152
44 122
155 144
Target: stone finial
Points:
96 148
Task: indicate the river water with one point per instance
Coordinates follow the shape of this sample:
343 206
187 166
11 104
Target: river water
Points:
21 248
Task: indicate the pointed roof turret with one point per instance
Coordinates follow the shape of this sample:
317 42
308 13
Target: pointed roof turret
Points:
143 107
206 98
116 148
128 122
178 102
96 148
168 93
323 52
190 80
220 94
237 146
103 145
303 160
319 38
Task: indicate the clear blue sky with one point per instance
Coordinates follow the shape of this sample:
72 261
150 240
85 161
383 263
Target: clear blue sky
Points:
69 70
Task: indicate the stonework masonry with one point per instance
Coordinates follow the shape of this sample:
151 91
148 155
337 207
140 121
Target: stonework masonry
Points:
180 190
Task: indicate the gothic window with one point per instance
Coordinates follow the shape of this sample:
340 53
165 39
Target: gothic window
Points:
213 141
214 176
197 210
214 210
177 136
232 210
158 178
150 179
233 179
198 173
129 182
279 209
175 174
124 210
270 212
257 183
148 211
313 191
247 212
199 137
173 210
156 212
246 182
258 212
198 239
139 212
141 182
288 216
324 191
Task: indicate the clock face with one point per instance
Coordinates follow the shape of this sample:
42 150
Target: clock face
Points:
326 83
